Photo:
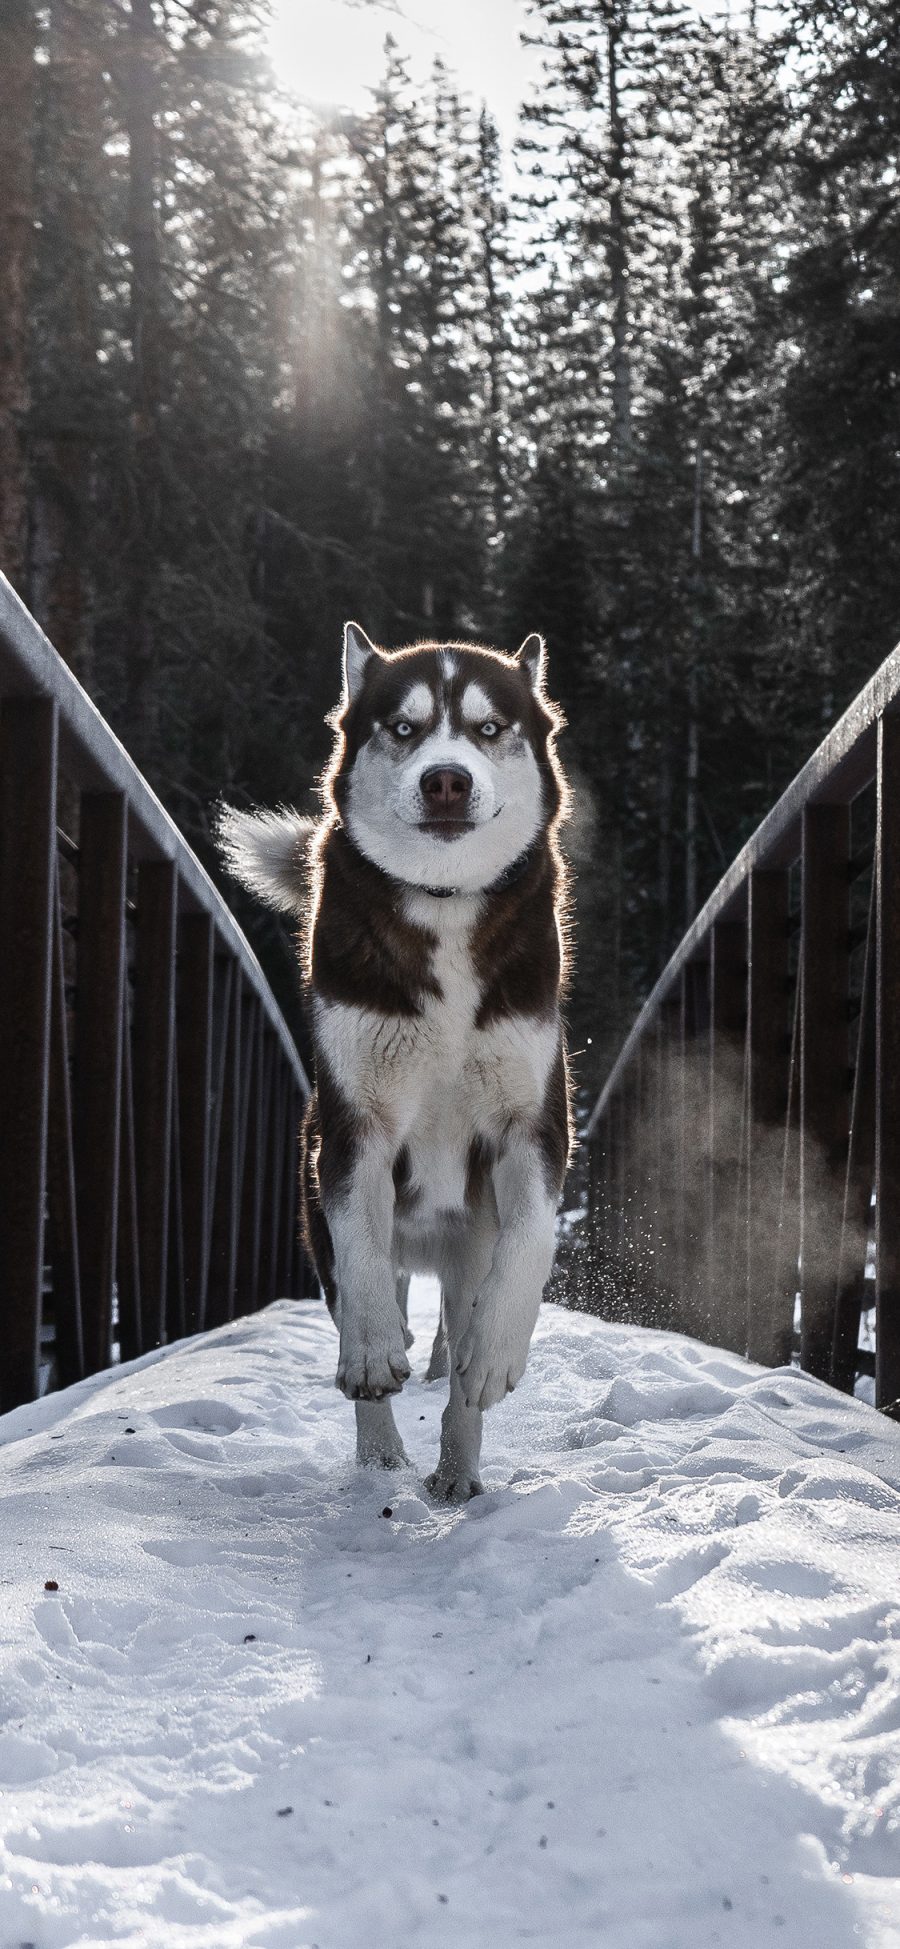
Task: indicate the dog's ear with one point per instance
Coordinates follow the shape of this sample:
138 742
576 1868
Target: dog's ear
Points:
533 658
357 652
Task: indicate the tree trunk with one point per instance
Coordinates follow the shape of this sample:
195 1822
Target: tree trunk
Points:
617 249
693 727
664 869
66 414
383 287
145 333
488 159
17 87
690 818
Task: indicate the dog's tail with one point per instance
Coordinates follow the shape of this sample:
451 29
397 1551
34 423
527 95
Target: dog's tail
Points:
267 853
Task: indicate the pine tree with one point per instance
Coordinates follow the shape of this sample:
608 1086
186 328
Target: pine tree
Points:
839 480
413 270
141 62
600 167
313 561
17 98
285 369
491 307
69 420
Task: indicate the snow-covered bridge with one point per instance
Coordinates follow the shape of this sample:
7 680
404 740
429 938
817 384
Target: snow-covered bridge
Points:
643 1693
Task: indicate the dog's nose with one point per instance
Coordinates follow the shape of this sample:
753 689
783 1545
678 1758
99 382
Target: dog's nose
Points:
446 789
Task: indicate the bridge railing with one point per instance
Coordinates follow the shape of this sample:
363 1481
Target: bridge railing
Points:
150 1091
745 1149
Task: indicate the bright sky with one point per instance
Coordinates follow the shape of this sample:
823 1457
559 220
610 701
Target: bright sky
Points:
330 51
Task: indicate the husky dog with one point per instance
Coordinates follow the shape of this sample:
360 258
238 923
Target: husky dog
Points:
438 1134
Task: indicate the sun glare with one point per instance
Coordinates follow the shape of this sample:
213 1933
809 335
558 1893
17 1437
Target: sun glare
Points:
331 51
328 51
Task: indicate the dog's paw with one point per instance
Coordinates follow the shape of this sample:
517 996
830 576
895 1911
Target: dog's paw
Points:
378 1442
372 1453
449 1484
491 1357
370 1368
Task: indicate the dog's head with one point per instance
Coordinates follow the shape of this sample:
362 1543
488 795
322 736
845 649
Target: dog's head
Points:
445 769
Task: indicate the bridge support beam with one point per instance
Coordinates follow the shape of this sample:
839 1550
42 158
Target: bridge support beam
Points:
62 1209
769 1291
97 1100
692 1143
225 1150
887 1069
850 1295
28 738
824 1072
273 1120
253 1161
670 1149
726 1259
195 998
154 1064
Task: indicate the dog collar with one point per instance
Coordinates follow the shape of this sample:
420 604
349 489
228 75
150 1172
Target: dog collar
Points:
516 870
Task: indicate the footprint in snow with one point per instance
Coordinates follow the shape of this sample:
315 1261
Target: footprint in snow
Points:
23 1760
187 1553
678 1574
786 1579
254 1486
200 1417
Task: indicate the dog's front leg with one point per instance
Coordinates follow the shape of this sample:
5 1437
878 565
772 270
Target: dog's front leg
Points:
372 1360
466 1263
492 1354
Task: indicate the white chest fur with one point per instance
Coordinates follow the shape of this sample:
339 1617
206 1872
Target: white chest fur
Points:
435 1081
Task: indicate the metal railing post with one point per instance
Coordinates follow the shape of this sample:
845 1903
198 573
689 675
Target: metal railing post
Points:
887 1069
62 1211
769 1324
824 1073
28 736
225 1155
154 1064
194 1035
728 1012
97 1096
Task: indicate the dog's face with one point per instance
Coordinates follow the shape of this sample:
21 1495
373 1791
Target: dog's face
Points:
446 771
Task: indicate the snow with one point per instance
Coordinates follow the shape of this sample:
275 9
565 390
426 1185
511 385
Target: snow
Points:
643 1693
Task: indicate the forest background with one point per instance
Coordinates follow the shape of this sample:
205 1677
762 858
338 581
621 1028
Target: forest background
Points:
263 368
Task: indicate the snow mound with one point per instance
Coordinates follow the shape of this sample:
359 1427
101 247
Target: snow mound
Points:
643 1693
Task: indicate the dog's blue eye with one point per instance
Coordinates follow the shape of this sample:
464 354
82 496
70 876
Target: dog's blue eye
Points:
490 729
402 729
